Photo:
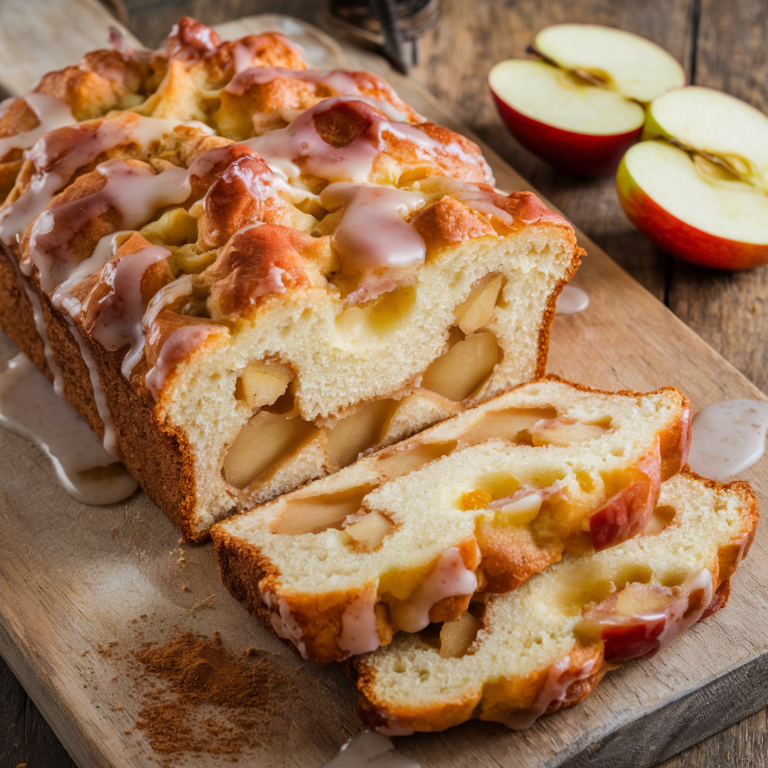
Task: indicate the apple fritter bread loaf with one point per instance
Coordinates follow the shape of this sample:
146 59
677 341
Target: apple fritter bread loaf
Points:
511 658
474 505
244 272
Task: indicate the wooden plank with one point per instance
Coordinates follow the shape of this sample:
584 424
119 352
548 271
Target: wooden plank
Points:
77 576
729 310
37 37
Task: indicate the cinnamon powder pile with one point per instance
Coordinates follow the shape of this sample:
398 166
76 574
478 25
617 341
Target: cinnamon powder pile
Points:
203 698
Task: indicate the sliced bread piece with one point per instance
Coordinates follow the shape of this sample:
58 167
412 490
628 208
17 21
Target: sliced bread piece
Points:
547 644
478 503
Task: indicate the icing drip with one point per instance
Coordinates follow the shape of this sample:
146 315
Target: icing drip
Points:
642 635
449 579
102 253
135 192
40 326
59 154
30 408
51 114
559 679
119 321
369 749
299 147
176 348
336 80
571 300
283 622
358 625
99 395
166 296
373 232
728 438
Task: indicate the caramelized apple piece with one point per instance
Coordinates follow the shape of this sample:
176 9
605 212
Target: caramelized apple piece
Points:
476 311
262 384
263 441
370 531
361 430
394 463
507 424
457 636
461 370
313 514
565 431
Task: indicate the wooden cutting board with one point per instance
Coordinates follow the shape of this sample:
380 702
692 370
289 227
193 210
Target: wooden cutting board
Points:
73 578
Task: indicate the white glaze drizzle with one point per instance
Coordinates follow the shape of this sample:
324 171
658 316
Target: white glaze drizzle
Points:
358 624
299 147
283 622
59 154
677 617
40 326
30 408
175 349
370 750
119 321
728 438
99 395
337 80
559 679
50 113
571 300
135 192
474 197
373 232
450 578
166 296
102 253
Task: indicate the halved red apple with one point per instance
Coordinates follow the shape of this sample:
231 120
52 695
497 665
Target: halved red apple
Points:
581 106
699 186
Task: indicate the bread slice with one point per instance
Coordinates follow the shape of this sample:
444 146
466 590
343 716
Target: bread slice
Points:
239 317
478 503
547 644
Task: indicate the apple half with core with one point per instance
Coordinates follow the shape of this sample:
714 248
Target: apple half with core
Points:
698 188
581 106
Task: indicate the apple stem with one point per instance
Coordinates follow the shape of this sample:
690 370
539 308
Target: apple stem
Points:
715 159
579 74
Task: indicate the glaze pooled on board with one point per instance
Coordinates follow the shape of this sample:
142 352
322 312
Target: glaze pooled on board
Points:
370 750
30 408
728 438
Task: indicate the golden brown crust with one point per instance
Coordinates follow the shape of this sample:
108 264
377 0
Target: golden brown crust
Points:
496 700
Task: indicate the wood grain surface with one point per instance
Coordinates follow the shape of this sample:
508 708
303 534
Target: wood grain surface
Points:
721 45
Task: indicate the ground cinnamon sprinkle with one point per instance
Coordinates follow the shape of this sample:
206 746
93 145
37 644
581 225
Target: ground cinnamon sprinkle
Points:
205 698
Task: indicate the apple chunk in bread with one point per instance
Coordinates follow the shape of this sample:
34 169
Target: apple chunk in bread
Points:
263 441
476 311
699 188
362 429
464 367
580 107
262 384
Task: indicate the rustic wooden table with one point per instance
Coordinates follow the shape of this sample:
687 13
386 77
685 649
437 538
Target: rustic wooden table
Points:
721 44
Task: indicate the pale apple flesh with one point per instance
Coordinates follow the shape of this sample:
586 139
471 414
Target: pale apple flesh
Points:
581 107
593 148
690 210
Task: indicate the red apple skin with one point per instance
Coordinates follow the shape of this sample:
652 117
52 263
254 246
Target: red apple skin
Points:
681 240
634 640
627 513
578 153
